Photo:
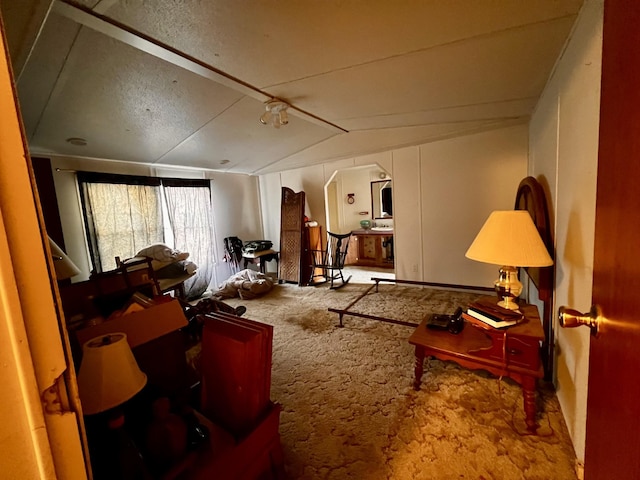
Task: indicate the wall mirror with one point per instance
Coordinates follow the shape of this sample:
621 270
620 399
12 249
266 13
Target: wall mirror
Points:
381 202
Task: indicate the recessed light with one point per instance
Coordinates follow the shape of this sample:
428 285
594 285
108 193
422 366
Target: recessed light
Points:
81 142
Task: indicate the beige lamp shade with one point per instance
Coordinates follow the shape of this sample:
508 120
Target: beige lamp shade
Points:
509 237
63 265
109 374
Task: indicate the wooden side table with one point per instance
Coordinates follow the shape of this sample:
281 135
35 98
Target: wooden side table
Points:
261 258
512 352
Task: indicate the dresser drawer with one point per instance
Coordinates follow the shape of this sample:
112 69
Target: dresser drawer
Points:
523 352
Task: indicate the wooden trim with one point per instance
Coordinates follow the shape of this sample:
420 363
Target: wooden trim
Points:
531 197
98 177
185 182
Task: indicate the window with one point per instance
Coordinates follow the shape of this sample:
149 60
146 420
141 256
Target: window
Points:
124 214
191 217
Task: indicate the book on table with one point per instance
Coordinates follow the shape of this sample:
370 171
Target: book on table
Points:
494 315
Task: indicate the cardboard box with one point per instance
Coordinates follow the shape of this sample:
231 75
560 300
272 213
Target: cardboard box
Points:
140 327
156 343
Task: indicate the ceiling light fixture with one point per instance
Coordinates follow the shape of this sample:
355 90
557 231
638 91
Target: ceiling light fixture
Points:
80 142
275 114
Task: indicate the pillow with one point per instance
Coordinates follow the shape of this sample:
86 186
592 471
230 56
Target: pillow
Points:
158 251
162 255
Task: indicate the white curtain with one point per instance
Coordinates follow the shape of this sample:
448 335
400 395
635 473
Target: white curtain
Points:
124 219
191 217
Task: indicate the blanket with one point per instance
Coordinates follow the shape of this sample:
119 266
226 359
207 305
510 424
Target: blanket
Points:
246 284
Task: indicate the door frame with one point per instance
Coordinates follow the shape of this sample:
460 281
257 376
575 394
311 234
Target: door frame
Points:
47 401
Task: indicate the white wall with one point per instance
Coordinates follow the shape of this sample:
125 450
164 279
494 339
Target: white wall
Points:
270 200
311 180
407 219
236 205
563 156
442 194
457 201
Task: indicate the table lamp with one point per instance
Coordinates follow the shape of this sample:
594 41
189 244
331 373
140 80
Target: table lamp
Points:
109 374
509 238
63 265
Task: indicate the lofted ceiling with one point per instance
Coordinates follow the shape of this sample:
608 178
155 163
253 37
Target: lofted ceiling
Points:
184 82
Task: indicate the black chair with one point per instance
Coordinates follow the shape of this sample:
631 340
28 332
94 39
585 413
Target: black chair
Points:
327 264
233 253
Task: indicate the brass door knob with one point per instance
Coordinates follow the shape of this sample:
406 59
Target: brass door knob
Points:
570 318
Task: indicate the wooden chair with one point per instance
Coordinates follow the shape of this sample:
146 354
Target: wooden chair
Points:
327 264
138 271
137 267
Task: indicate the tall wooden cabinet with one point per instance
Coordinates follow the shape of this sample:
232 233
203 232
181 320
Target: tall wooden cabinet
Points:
291 235
296 239
48 201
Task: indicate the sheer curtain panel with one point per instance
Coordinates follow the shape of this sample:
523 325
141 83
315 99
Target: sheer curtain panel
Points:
121 218
191 216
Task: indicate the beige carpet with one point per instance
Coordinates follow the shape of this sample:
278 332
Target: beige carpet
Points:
350 412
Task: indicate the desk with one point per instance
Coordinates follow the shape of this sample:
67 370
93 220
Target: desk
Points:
261 258
512 352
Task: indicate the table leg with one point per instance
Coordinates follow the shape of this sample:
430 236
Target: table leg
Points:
419 367
529 393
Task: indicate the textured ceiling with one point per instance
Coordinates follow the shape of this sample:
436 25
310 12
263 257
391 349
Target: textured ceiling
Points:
184 82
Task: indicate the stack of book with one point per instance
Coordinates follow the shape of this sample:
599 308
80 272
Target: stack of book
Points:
488 312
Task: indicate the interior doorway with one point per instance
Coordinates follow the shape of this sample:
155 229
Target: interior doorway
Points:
350 197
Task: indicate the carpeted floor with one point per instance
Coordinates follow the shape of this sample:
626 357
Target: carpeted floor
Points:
349 409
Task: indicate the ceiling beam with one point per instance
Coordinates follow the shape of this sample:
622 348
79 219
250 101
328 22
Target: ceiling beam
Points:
125 34
23 24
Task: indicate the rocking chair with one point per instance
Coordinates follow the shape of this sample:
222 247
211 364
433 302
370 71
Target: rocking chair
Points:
327 264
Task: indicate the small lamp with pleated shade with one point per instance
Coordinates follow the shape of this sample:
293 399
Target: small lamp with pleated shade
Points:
109 374
509 238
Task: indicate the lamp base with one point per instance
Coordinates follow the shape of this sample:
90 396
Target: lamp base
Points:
508 303
508 287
